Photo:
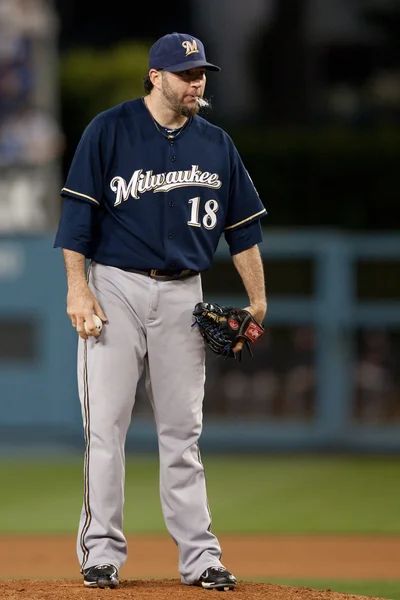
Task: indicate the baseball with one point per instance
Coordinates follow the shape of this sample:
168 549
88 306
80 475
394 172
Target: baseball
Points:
98 323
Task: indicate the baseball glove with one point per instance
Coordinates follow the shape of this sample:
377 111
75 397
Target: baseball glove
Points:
223 326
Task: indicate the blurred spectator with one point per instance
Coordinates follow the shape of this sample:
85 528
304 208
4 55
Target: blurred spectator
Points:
30 137
21 23
375 377
15 59
30 142
299 376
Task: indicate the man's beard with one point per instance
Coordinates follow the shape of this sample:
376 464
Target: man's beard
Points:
180 107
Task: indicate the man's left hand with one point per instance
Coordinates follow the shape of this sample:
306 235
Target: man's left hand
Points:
258 312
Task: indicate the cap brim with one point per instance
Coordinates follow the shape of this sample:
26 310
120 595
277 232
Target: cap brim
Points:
193 64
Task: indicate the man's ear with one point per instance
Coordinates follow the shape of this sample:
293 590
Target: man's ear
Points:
155 78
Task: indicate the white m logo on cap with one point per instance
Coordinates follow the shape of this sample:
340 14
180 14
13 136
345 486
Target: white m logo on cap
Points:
190 47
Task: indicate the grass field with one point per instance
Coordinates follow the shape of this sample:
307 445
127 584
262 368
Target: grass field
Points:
288 495
246 494
377 589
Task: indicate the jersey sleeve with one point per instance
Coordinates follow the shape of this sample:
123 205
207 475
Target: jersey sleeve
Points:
240 239
85 176
244 204
75 228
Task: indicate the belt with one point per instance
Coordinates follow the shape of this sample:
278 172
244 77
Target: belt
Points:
165 275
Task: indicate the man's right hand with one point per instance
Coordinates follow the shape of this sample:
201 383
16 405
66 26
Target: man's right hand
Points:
81 305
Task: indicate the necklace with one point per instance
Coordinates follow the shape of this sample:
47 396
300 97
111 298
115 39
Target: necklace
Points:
173 133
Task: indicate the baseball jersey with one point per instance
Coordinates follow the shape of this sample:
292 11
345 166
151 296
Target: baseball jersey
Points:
135 199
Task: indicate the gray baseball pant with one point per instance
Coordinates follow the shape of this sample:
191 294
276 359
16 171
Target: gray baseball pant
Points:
149 325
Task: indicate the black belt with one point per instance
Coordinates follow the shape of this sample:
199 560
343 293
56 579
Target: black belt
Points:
165 275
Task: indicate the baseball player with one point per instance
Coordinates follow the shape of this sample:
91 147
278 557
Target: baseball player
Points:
150 190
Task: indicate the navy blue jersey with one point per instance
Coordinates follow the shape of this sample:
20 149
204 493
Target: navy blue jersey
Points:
135 199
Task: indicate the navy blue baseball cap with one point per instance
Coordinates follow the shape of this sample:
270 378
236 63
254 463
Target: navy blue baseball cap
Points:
176 52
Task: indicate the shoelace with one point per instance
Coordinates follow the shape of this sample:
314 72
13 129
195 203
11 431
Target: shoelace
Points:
105 566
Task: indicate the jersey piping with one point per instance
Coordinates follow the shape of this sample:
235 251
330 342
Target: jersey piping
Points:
245 220
82 195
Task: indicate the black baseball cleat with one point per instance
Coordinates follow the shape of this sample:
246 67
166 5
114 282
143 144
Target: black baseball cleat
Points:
101 576
217 578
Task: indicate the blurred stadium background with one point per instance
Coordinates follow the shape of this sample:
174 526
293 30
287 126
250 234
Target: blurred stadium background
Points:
310 93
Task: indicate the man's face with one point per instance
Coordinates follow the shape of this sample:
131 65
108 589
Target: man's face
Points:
182 90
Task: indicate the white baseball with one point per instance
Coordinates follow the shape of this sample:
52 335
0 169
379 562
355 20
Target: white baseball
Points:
98 324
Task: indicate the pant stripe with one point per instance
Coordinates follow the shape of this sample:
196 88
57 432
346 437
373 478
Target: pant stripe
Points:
86 498
208 505
88 519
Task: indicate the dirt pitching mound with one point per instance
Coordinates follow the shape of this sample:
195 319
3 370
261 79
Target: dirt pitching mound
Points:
159 589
